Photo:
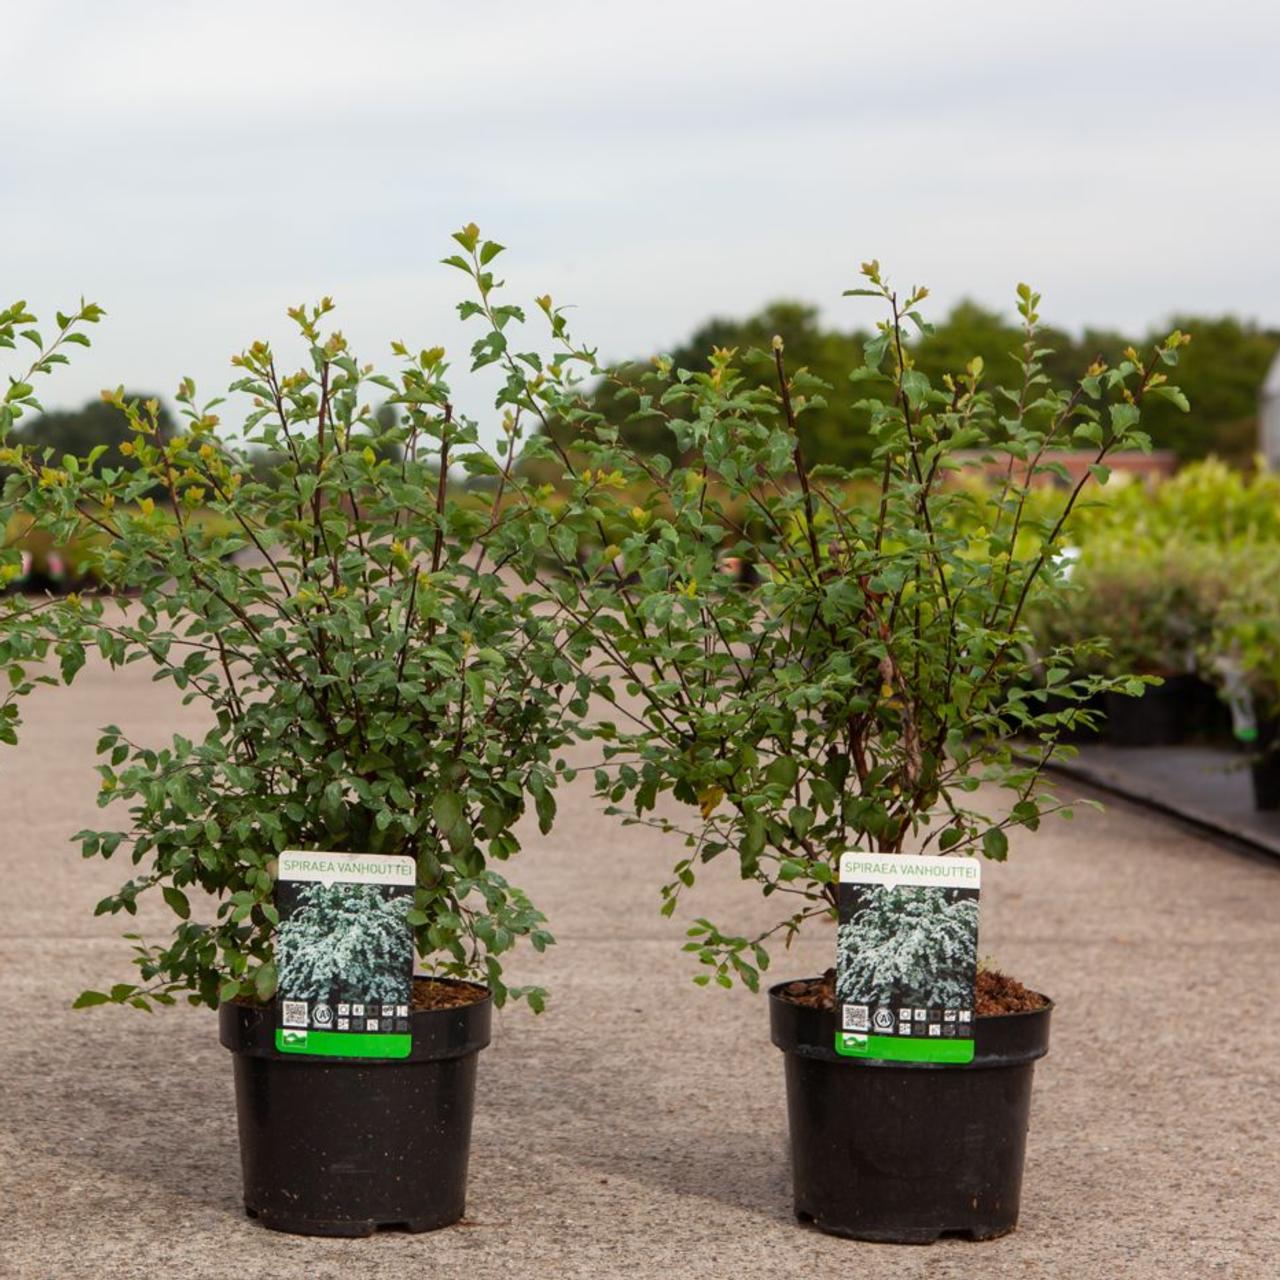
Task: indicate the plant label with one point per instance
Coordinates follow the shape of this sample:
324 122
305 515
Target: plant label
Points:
344 955
907 957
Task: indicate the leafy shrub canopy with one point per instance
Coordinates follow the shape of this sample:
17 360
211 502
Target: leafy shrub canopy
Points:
367 644
22 643
878 672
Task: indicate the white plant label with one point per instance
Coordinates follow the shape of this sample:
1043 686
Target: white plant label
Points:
344 954
907 957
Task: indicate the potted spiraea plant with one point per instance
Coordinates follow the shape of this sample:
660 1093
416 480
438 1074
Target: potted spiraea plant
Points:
379 681
868 685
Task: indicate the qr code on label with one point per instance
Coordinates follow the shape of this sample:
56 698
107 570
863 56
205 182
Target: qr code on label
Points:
856 1017
295 1013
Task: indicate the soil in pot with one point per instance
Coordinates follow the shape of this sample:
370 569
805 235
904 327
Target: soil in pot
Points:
432 993
345 1146
996 993
902 1152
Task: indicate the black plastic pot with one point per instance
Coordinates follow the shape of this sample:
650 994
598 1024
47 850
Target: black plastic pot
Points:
1208 716
1159 718
343 1146
1265 767
899 1152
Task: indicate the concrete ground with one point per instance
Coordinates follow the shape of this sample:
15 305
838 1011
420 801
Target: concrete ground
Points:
1208 786
638 1127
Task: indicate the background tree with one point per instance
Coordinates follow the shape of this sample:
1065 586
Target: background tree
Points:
834 431
98 422
1220 372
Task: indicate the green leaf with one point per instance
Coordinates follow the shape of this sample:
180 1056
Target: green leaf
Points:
565 541
801 820
177 901
264 981
783 772
468 237
995 844
545 803
915 386
446 809
1124 417
1173 395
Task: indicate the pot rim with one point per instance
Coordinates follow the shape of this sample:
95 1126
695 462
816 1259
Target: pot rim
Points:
1000 1040
454 1031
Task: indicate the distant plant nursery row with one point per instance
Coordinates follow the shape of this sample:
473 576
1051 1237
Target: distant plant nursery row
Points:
1179 581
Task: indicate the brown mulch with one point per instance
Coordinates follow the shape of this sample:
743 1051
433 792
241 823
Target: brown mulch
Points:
997 993
431 993
428 993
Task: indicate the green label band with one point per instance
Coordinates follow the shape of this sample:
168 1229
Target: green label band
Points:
343 1044
903 1048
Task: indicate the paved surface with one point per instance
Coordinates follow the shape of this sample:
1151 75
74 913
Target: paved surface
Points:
638 1129
1208 786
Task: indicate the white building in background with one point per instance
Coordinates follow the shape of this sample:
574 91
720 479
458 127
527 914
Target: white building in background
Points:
1269 416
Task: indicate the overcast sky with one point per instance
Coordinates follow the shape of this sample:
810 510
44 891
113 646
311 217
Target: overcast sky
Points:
196 168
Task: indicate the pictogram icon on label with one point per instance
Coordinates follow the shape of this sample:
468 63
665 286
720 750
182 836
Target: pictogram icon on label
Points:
856 1017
